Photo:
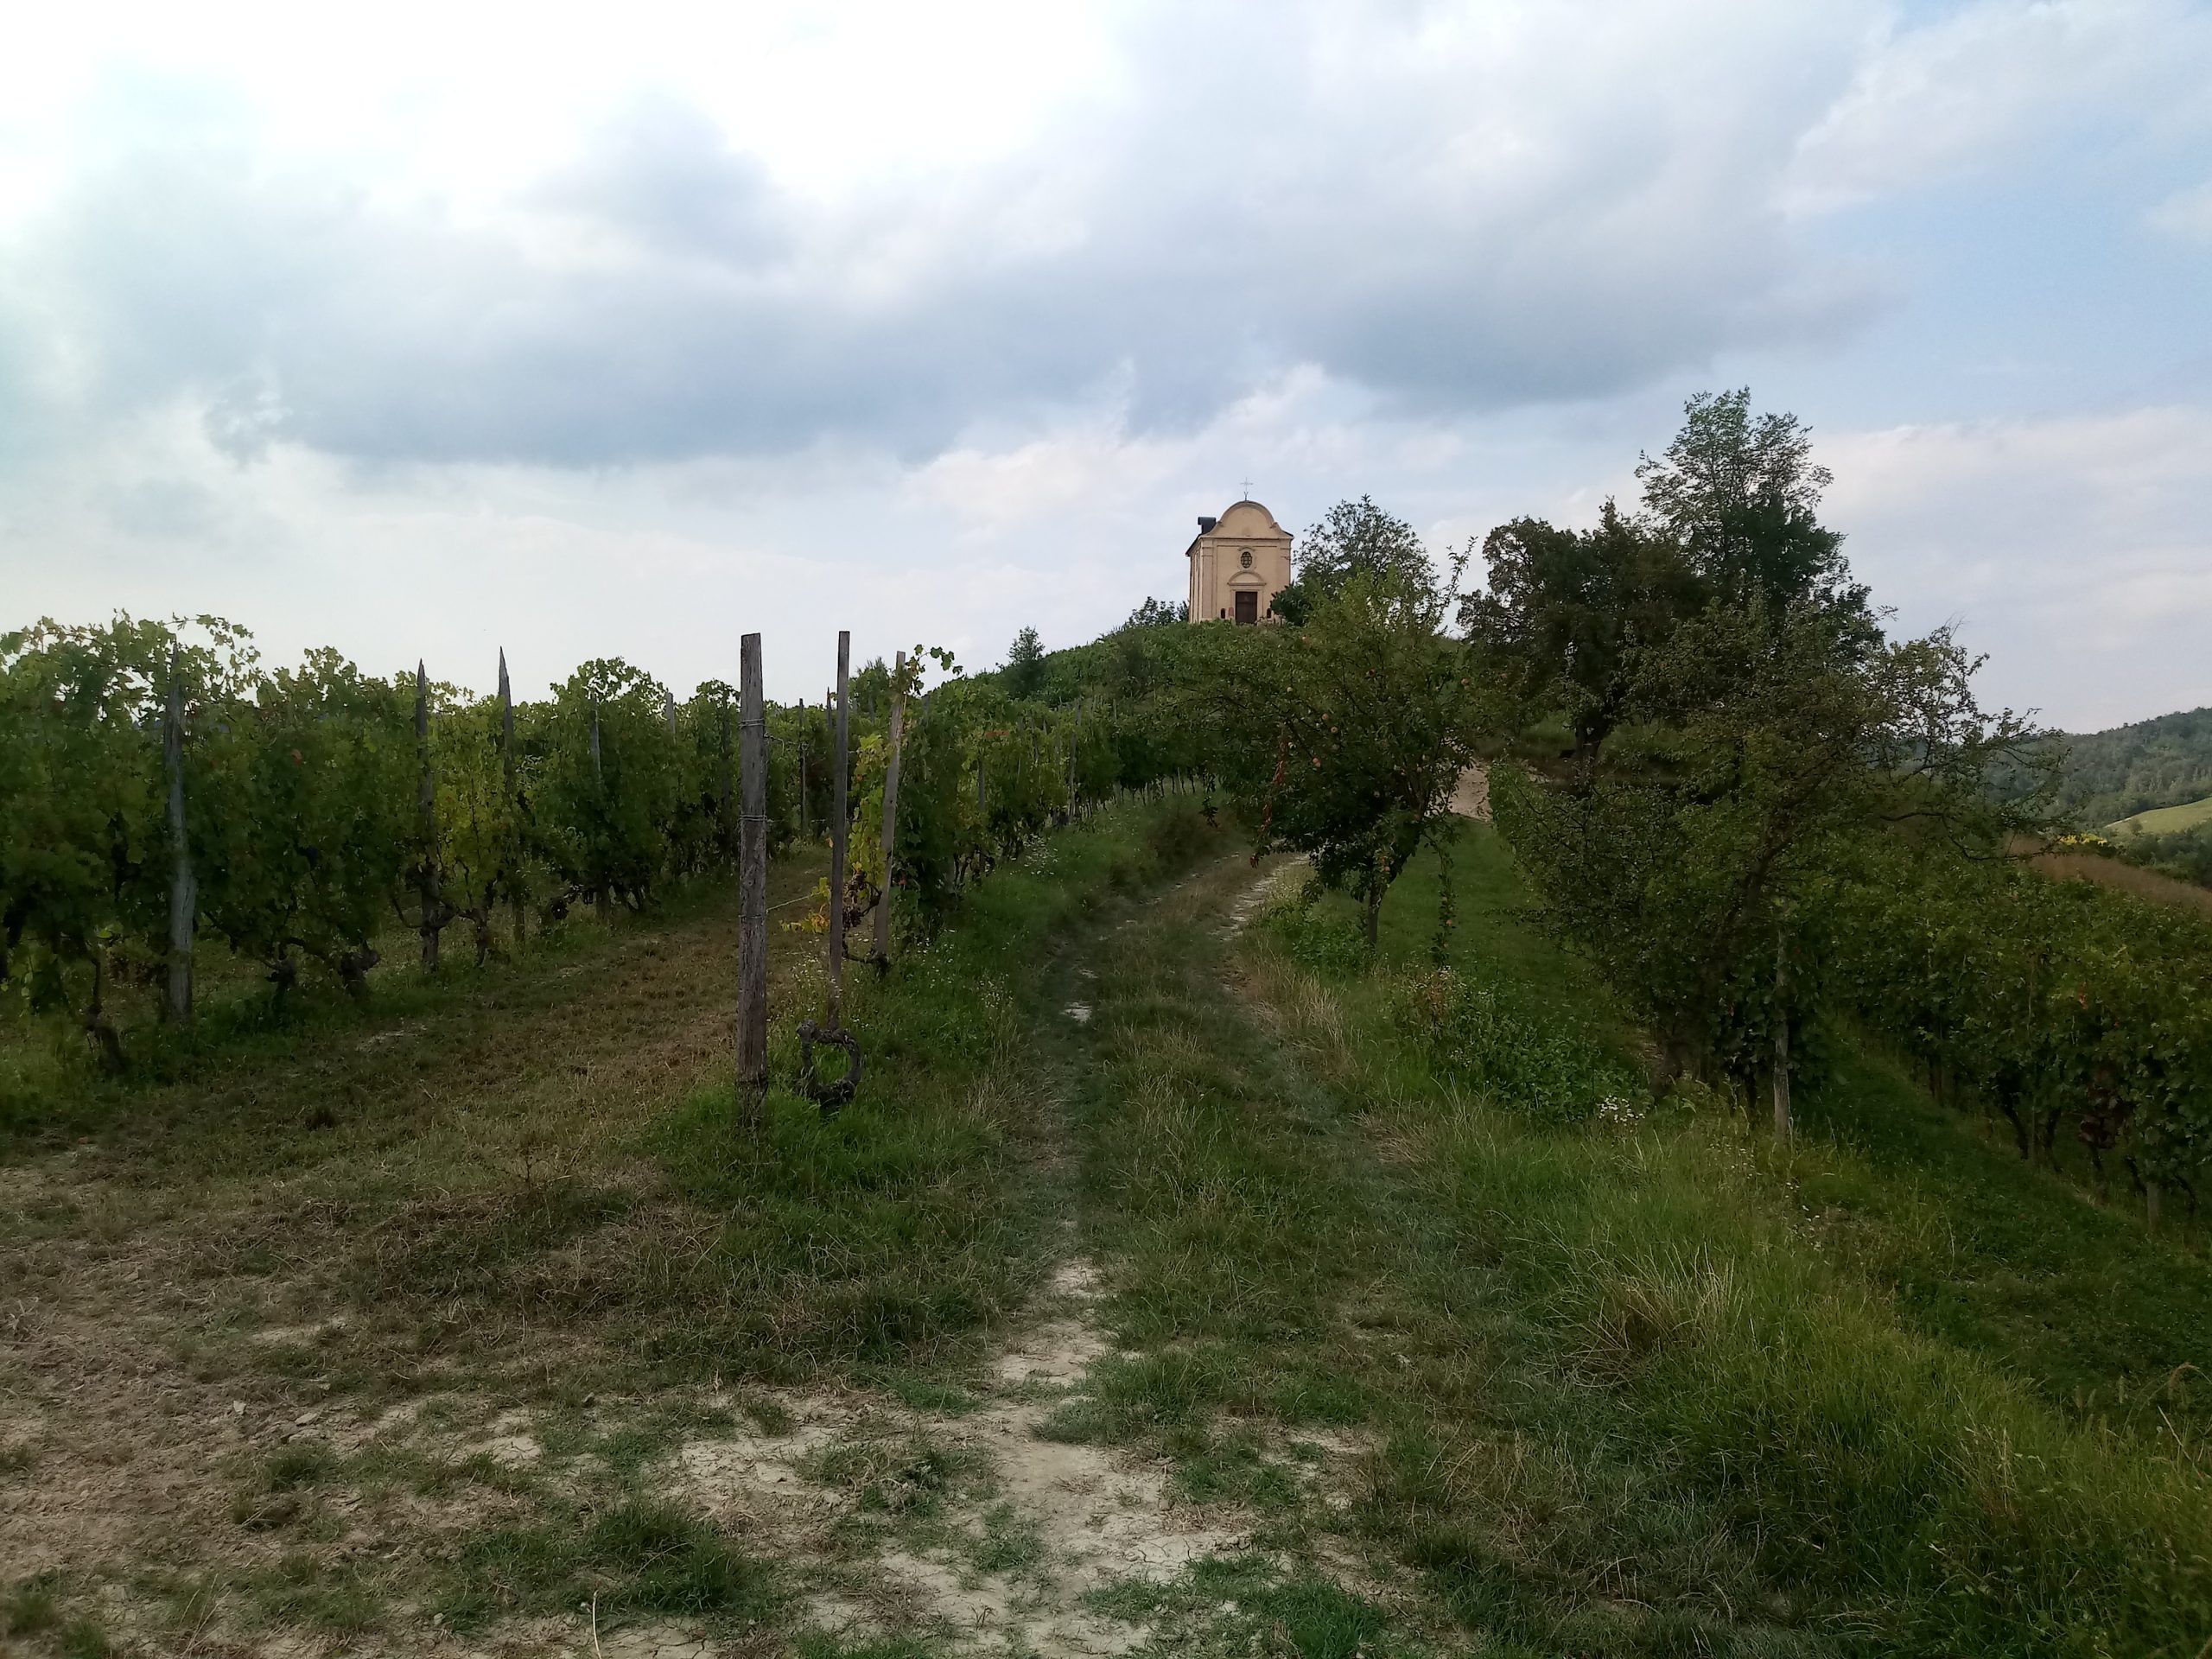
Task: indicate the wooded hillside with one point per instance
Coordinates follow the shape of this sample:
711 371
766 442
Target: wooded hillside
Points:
2117 773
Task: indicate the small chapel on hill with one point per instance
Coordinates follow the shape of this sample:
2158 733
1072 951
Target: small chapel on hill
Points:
1239 563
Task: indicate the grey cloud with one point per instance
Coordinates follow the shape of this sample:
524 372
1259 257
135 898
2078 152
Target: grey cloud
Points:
661 172
163 508
1199 242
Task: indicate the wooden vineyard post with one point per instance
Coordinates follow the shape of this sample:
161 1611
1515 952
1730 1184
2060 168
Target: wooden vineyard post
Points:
176 1001
428 889
837 830
752 892
603 902
1781 1041
721 729
830 1096
507 793
881 950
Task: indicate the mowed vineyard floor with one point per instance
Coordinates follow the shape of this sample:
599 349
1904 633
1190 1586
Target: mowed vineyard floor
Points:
1163 1292
389 1346
296 1241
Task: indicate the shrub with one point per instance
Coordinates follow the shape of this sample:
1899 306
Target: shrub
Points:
1475 1037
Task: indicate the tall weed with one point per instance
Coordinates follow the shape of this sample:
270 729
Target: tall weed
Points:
1475 1036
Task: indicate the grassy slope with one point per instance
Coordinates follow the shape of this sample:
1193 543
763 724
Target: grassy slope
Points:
2153 763
1629 1393
2107 1320
2164 820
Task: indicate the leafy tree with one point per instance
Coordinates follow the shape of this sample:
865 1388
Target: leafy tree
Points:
1345 738
609 782
870 690
482 841
1353 538
306 792
83 834
1024 673
1741 494
1159 613
1565 611
1728 518
1755 749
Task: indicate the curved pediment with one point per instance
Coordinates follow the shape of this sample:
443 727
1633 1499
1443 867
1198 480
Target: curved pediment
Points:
1248 519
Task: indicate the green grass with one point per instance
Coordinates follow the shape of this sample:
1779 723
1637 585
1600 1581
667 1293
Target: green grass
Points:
1241 1605
1406 1281
2107 1320
897 1235
1629 1395
639 1559
2164 820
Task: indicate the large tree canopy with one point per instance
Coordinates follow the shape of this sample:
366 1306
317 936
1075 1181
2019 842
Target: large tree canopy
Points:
1728 518
1354 539
1739 494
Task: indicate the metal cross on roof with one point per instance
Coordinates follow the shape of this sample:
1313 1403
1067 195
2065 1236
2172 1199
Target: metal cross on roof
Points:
1247 488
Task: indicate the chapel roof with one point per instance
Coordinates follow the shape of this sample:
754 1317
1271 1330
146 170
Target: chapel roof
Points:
1244 509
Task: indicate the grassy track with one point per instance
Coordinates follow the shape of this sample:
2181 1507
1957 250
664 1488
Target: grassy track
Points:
1167 1288
1625 1390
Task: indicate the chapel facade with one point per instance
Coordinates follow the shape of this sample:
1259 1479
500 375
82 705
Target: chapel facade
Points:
1239 563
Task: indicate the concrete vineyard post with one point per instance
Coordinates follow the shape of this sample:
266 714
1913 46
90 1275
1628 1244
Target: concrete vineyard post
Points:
837 809
752 892
176 1001
881 946
428 889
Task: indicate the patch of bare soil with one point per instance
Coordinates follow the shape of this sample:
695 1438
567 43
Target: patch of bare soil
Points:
1257 895
1008 1562
1471 798
167 1294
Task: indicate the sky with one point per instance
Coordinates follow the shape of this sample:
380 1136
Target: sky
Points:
432 329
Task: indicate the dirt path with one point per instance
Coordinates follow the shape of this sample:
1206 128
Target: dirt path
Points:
196 1402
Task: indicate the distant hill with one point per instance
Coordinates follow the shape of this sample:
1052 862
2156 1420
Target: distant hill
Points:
2130 769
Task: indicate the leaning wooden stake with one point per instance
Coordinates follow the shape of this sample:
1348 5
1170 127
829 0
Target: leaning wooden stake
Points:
177 1004
881 951
429 890
752 892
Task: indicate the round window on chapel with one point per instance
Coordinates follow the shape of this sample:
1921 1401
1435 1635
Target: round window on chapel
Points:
1245 558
